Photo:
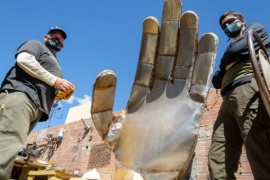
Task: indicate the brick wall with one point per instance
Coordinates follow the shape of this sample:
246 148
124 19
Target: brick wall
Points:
78 148
84 149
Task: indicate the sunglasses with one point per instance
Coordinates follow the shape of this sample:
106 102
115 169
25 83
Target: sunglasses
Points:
229 21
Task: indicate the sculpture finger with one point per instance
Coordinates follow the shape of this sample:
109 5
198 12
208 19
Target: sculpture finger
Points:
144 74
103 100
168 40
203 68
187 49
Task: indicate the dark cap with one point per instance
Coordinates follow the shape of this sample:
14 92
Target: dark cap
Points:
58 29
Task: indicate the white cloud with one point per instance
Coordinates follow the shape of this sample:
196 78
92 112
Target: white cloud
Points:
85 99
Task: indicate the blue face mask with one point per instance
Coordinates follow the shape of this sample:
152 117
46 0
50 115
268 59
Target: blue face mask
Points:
232 30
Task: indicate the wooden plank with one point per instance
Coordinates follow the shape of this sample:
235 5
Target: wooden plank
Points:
49 173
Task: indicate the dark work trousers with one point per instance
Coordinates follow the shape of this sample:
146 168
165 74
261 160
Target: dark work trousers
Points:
242 120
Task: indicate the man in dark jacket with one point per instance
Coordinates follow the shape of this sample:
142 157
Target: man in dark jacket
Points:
242 118
27 94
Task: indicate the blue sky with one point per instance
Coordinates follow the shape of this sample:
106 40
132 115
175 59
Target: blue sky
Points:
104 34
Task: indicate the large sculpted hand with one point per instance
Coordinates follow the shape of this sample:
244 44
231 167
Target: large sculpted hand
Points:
155 137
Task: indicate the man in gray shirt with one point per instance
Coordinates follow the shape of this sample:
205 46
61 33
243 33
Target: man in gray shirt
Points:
27 93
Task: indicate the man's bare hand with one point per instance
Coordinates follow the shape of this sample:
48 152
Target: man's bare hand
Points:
155 137
63 85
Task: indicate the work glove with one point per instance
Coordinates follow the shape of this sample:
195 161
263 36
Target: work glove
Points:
155 136
61 95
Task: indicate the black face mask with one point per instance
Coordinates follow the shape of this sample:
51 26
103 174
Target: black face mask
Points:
54 44
232 30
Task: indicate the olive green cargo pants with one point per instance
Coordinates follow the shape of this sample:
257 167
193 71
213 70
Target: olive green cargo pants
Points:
17 111
242 119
